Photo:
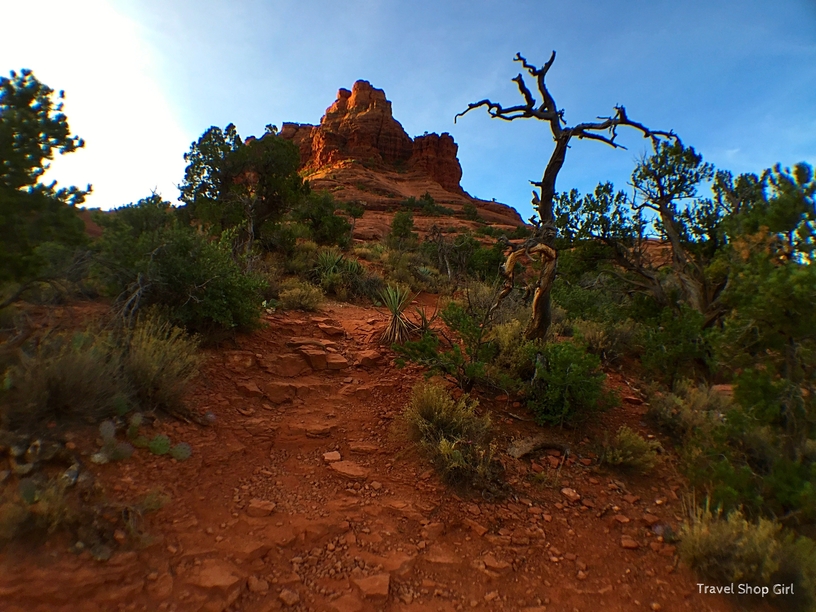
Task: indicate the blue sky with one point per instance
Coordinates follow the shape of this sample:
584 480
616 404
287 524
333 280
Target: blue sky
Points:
144 78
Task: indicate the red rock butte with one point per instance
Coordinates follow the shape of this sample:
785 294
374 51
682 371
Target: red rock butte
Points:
360 152
360 126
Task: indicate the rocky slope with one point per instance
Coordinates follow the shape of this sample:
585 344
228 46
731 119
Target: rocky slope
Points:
360 152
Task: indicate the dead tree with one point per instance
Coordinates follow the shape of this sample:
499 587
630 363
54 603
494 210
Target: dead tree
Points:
604 130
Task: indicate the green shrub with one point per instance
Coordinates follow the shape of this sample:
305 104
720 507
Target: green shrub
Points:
676 347
470 211
452 434
150 259
630 451
302 296
159 362
318 213
466 366
568 384
402 235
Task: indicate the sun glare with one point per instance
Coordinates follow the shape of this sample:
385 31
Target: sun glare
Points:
112 98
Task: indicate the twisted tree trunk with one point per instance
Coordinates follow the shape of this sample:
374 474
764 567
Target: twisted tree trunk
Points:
543 243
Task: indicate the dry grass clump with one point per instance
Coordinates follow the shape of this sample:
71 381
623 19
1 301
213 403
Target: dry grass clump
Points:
732 549
96 374
36 506
159 362
690 408
630 451
67 377
453 435
301 296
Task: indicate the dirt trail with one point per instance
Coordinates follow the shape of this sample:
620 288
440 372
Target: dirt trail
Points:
301 496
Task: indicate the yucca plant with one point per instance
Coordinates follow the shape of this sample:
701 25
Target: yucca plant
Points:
426 320
328 262
399 328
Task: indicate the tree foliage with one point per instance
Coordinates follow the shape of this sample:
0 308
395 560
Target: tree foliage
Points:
32 130
231 183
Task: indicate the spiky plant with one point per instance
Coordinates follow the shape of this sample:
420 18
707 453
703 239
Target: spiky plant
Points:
426 320
328 262
399 328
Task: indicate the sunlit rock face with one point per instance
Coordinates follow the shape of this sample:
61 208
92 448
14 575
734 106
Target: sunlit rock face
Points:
360 152
359 126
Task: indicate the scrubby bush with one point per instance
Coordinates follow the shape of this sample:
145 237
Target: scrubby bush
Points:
687 411
466 366
301 296
454 436
730 549
95 374
630 451
402 235
68 377
568 384
608 340
159 361
318 212
150 259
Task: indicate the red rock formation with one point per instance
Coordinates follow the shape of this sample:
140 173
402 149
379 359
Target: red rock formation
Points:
360 126
436 155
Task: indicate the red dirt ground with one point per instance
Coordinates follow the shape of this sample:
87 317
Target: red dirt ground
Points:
373 529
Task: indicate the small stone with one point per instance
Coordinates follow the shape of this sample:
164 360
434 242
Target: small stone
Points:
632 499
629 543
479 529
331 456
587 503
368 359
374 587
120 536
581 575
335 361
621 518
260 507
350 470
249 389
331 330
650 519
585 461
376 485
494 564
257 585
289 597
655 607
491 596
571 494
